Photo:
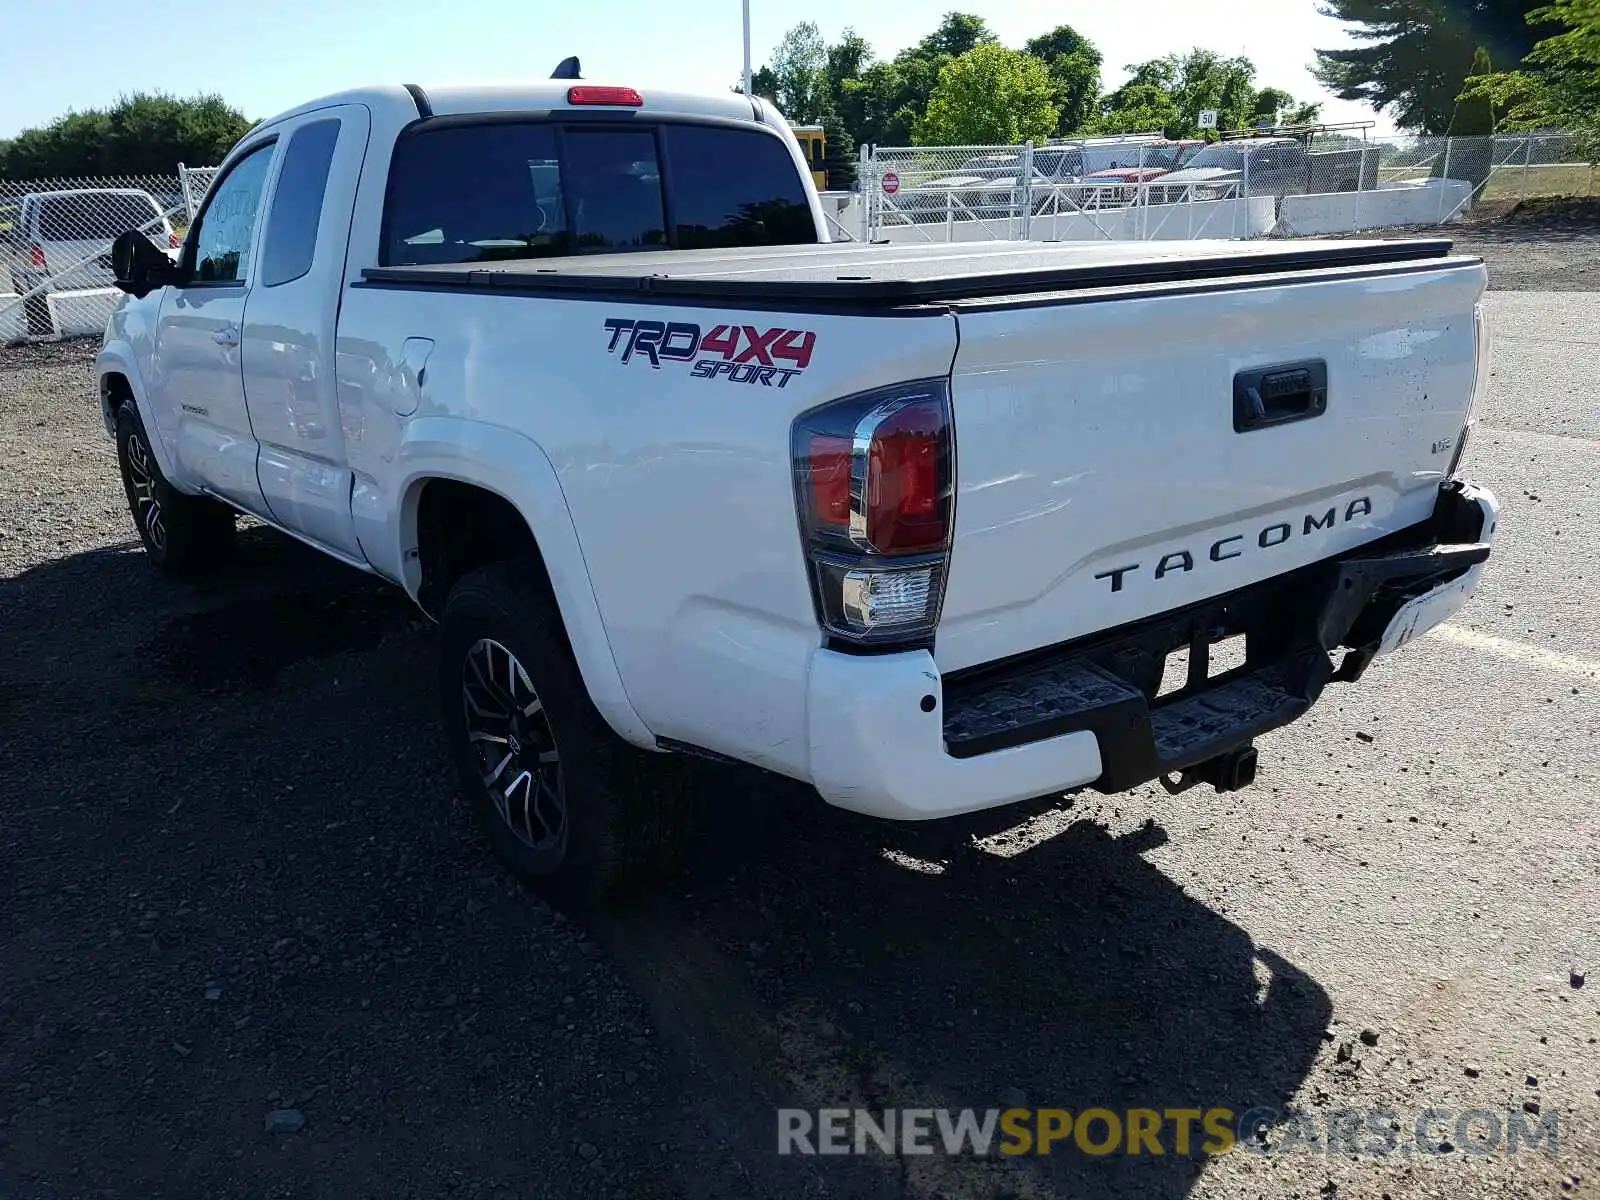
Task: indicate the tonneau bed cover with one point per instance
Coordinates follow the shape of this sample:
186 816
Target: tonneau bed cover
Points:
858 275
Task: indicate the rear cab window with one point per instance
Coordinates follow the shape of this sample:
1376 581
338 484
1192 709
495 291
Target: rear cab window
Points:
538 189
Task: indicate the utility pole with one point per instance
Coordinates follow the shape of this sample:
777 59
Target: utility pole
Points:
746 47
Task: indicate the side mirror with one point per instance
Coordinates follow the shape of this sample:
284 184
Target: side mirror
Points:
140 266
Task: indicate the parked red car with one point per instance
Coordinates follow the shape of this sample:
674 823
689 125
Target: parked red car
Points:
1120 184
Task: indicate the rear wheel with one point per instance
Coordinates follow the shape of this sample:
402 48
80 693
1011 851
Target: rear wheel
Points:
566 804
36 310
183 535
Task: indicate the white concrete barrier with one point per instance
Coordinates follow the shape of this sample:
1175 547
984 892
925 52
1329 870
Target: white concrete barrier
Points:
13 321
83 313
1145 222
841 207
80 313
1416 202
849 215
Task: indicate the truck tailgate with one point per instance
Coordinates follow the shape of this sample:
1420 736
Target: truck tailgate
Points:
1120 454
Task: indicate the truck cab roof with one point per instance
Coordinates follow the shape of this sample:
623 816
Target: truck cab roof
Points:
534 95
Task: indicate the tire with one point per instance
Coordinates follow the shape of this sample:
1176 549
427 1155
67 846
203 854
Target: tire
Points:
183 535
569 806
36 310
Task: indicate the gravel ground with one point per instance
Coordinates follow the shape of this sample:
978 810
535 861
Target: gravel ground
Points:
1547 245
234 883
1537 246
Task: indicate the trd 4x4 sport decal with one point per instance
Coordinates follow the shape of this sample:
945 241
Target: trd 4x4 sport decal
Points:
739 353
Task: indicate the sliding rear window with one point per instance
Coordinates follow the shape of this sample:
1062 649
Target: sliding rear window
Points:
512 190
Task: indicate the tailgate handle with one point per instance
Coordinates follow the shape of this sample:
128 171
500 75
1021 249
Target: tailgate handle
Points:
1279 395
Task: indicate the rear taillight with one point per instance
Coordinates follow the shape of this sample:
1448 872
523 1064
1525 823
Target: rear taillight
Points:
36 257
874 485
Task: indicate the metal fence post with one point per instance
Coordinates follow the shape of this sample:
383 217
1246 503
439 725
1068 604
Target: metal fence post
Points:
864 184
1027 190
1444 178
1141 198
1527 154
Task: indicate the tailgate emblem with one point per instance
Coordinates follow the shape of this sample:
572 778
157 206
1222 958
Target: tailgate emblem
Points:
1226 548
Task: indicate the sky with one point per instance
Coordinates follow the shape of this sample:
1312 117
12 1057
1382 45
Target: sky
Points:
264 57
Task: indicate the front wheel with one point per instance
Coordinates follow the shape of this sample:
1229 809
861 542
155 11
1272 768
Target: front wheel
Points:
182 535
565 803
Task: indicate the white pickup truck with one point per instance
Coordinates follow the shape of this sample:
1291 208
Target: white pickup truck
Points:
932 528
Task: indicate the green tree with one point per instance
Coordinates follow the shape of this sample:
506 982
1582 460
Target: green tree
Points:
897 93
142 134
1279 107
958 33
799 68
989 96
763 83
1472 156
1568 63
1415 53
847 59
1138 107
1559 84
840 162
1474 115
1169 94
1074 66
877 102
876 107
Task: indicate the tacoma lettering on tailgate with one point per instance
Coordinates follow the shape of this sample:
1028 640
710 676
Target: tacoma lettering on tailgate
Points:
1176 562
738 353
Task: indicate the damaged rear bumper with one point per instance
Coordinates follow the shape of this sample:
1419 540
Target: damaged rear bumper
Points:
1088 713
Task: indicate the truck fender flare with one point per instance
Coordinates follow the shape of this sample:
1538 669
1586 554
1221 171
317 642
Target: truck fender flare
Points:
517 469
118 358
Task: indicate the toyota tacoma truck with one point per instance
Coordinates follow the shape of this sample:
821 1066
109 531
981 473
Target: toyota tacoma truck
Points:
930 528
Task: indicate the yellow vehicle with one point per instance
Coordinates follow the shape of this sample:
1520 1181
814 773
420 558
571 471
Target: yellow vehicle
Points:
814 143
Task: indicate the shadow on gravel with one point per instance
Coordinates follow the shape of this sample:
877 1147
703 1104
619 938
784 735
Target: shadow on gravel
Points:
234 879
842 962
1563 219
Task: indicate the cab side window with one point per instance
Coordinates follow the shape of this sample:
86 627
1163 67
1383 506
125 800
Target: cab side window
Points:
290 244
228 225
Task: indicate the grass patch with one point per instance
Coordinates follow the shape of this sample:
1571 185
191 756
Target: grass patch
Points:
1562 179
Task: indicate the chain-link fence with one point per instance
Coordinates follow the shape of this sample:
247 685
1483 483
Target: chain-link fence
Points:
55 244
1145 186
1519 167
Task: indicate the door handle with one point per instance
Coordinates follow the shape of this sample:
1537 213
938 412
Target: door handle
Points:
1279 395
227 336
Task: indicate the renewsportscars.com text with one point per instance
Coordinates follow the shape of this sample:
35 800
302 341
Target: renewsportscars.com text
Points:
1181 1132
